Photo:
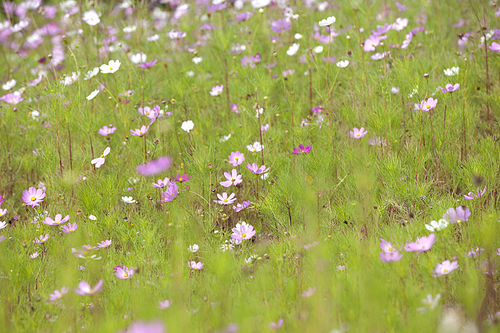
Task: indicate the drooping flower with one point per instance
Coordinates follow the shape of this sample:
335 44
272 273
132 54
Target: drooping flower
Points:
256 147
104 243
195 266
69 228
357 133
256 169
183 178
124 272
231 178
224 199
422 244
105 130
41 239
390 256
111 67
85 289
128 199
240 206
140 131
164 305
170 193
57 220
461 214
161 183
32 197
302 150
155 167
90 74
478 194
217 90
446 267
450 88
236 158
101 159
187 125
243 232
437 225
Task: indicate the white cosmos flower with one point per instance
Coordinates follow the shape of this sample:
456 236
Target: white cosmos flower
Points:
343 63
34 114
91 17
111 67
328 21
298 36
90 74
318 49
451 71
190 73
3 212
437 225
225 138
197 60
187 125
193 248
400 24
3 224
130 29
260 3
293 49
92 95
138 58
153 38
101 159
92 217
256 147
9 85
128 199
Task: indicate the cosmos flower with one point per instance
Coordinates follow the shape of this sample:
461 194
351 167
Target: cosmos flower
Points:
309 292
444 268
32 197
224 199
386 246
176 34
124 273
400 24
101 159
85 289
478 194
187 125
3 224
391 256
41 239
256 147
161 183
217 90
260 3
327 22
183 178
193 248
343 63
140 131
293 49
147 64
302 150
92 95
461 214
90 74
428 104
69 228
155 167
357 133
154 326
495 47
236 158
195 266
57 220
429 303
256 170
104 243
105 131
13 98
240 206
450 88
111 67
244 232
138 58
57 295
231 178
277 325
128 199
150 113
91 18
9 85
422 244
451 71
164 305
170 193
437 225
378 141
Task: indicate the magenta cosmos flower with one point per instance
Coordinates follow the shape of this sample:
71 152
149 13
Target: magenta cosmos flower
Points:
105 131
69 228
32 197
445 268
41 239
390 257
140 131
13 98
450 88
183 178
170 193
154 167
243 232
471 196
495 47
422 244
150 113
234 108
240 206
57 220
124 273
302 150
428 104
161 183
231 178
195 266
85 289
217 90
461 214
224 199
236 158
255 169
148 64
357 133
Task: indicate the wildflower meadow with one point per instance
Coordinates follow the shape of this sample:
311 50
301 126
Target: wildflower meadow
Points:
249 166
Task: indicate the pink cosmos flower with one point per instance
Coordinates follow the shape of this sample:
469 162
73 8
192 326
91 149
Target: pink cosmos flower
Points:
104 243
195 266
140 131
357 133
154 326
236 158
32 197
471 196
57 220
276 326
445 268
234 108
164 305
161 183
154 167
69 228
57 295
240 206
224 199
85 289
450 88
429 104
390 256
243 232
41 239
105 131
422 244
217 90
386 246
461 214
372 42
255 169
35 81
13 98
183 178
302 150
150 113
124 273
495 46
378 141
101 159
170 193
148 64
231 178
309 292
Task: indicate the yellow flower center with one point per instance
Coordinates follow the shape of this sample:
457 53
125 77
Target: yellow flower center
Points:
71 230
125 275
445 270
110 68
225 200
236 158
180 179
459 221
389 249
428 106
232 179
254 150
33 198
107 131
102 156
357 134
195 268
140 133
243 235
13 101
